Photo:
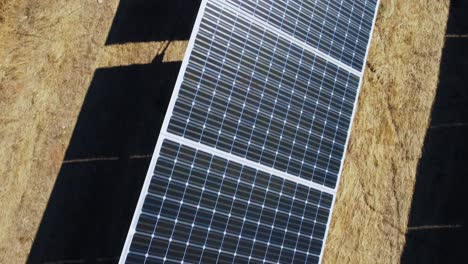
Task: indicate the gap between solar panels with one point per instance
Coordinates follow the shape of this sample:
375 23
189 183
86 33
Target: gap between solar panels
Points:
252 146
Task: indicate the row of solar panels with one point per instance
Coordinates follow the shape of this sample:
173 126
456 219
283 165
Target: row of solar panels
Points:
251 149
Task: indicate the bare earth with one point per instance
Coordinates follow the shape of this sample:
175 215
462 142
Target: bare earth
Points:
50 49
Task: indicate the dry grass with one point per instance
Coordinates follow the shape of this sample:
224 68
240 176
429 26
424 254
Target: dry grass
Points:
50 49
371 213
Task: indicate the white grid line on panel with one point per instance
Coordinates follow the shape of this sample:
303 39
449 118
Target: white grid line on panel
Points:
190 163
222 213
324 137
228 156
294 40
198 246
349 132
158 215
167 117
281 194
356 28
196 145
246 162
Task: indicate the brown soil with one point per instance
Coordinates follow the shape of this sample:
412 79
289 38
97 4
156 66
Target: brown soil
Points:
50 50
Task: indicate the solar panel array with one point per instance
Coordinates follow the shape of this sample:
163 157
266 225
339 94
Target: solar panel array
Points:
248 159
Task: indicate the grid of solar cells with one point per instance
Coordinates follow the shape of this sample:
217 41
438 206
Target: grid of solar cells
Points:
340 29
202 208
258 96
253 87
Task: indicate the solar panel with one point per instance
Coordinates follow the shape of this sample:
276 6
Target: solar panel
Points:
201 207
340 29
251 149
273 103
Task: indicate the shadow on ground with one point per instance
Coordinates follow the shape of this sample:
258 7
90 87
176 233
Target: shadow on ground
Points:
437 228
90 209
153 20
92 203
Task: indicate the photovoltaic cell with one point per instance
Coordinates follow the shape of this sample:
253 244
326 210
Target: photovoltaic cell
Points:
203 208
340 29
272 103
251 149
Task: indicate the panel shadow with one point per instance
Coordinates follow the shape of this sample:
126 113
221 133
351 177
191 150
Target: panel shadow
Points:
437 227
92 203
458 23
153 20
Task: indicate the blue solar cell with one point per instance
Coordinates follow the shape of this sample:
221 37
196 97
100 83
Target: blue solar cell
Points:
268 100
226 210
249 156
340 29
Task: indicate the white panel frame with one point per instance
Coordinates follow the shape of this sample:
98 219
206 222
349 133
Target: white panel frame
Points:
327 229
164 134
167 117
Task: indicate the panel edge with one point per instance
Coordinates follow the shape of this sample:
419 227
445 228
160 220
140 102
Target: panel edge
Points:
154 158
327 229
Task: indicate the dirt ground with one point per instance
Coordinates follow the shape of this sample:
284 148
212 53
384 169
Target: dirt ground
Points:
49 51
